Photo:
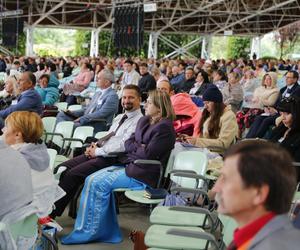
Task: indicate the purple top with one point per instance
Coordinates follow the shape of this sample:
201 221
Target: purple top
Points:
151 142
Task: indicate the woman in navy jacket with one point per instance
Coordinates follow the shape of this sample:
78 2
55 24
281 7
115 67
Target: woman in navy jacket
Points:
153 139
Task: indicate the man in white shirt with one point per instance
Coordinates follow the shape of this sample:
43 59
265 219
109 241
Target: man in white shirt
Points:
95 157
130 76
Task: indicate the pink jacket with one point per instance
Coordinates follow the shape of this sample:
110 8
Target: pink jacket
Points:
183 105
83 78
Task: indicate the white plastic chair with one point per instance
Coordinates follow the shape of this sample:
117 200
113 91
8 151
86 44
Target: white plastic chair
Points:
190 161
79 136
101 134
62 130
52 154
74 107
49 125
61 105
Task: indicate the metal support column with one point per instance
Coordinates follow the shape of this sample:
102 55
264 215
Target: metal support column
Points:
256 47
29 41
152 49
94 48
206 47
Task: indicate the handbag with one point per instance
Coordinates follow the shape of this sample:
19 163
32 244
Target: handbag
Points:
155 193
173 200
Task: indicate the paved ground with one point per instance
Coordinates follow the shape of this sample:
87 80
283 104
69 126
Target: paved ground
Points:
132 216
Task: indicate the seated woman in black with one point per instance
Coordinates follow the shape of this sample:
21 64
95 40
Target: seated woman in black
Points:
287 133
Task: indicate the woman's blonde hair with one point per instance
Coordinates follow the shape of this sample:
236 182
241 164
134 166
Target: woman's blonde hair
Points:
273 76
162 101
14 80
28 123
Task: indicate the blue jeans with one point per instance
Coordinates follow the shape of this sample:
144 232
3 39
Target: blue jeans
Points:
97 219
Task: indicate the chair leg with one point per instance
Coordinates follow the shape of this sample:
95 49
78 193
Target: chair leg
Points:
117 202
50 240
73 204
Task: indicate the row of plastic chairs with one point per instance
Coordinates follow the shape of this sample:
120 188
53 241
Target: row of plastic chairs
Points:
185 227
64 105
62 133
192 164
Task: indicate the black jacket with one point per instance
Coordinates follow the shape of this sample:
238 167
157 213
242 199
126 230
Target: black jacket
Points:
146 83
186 85
295 91
202 88
291 143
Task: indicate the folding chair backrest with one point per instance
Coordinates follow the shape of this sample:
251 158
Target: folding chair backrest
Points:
49 125
66 129
81 133
61 105
101 134
229 225
190 160
52 155
74 107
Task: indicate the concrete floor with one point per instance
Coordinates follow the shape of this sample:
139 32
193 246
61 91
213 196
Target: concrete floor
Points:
132 216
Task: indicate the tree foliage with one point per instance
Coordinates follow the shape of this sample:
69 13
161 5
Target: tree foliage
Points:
238 47
287 37
82 42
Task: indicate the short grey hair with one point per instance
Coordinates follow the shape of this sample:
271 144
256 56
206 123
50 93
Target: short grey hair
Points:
108 75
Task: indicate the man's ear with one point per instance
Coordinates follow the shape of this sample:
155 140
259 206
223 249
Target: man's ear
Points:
261 195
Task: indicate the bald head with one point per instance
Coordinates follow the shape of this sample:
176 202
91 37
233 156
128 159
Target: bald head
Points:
165 86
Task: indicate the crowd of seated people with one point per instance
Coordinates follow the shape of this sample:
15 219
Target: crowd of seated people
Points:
239 99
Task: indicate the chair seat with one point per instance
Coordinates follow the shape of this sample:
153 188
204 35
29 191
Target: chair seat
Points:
121 189
164 216
138 196
158 237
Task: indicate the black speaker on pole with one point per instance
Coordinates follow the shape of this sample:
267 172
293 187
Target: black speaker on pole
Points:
11 28
128 27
